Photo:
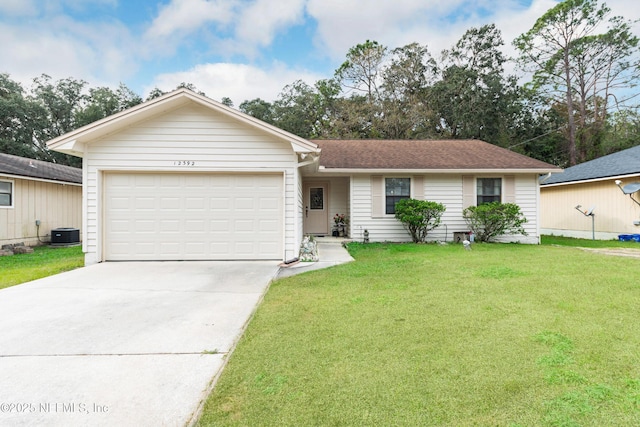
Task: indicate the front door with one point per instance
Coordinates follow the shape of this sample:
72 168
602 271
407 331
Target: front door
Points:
316 212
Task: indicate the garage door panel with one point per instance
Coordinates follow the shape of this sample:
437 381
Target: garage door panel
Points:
169 226
195 204
193 216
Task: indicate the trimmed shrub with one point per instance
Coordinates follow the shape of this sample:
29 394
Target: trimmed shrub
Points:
419 217
491 220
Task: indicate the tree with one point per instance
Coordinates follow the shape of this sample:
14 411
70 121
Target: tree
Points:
361 74
419 217
405 112
155 93
295 109
258 108
61 100
59 104
574 64
490 220
473 98
127 98
103 102
20 120
362 68
100 103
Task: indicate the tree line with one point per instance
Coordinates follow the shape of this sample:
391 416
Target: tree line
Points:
576 103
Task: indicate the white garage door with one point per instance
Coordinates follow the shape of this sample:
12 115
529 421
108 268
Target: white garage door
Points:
164 216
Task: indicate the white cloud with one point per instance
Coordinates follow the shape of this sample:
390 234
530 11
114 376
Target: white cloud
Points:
239 82
343 24
259 22
18 8
182 17
95 52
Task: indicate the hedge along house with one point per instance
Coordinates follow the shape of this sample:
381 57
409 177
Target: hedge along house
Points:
593 185
34 190
183 177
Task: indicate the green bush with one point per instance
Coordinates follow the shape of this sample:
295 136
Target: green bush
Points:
419 217
491 220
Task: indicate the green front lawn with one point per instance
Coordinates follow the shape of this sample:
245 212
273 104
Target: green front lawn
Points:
44 261
429 335
584 243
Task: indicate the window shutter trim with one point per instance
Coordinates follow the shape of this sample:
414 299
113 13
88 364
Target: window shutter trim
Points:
509 189
377 196
468 191
417 187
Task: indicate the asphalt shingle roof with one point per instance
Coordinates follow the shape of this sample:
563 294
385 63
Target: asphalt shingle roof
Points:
422 154
22 166
625 162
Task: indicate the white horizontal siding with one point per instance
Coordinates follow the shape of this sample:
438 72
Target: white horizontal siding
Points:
445 189
191 133
380 229
527 198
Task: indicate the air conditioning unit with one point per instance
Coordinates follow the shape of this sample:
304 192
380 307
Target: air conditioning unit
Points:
65 236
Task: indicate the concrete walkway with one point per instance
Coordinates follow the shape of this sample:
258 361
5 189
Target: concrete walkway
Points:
330 252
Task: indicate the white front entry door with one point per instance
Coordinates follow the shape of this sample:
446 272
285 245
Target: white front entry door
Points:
316 211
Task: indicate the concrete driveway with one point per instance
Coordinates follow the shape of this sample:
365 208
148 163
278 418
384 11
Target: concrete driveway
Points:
127 344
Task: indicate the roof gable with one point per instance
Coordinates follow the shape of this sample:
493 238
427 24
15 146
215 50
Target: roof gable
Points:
31 168
625 162
441 155
73 142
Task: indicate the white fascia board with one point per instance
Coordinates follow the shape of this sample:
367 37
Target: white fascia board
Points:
72 147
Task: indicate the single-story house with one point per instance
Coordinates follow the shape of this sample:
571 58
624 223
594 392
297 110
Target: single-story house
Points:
592 185
33 190
183 177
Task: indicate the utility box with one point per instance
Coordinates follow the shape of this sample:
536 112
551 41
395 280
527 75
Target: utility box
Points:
459 236
65 236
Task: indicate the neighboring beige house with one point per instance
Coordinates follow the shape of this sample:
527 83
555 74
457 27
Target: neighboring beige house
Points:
33 190
183 177
593 185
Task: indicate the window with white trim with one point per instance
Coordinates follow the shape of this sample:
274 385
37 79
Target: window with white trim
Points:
6 194
395 189
488 190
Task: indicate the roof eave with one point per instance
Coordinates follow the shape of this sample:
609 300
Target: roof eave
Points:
323 169
33 178
584 181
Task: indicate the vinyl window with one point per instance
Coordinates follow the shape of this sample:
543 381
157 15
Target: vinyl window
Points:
6 194
396 189
489 190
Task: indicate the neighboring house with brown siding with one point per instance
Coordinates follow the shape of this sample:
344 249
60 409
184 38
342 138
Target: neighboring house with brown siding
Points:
183 177
33 190
592 184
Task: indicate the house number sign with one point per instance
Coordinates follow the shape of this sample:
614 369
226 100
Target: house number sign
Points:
184 163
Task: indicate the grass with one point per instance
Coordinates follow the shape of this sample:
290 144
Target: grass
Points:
584 243
503 335
44 261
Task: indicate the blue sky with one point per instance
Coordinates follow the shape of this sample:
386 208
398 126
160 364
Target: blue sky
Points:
241 49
